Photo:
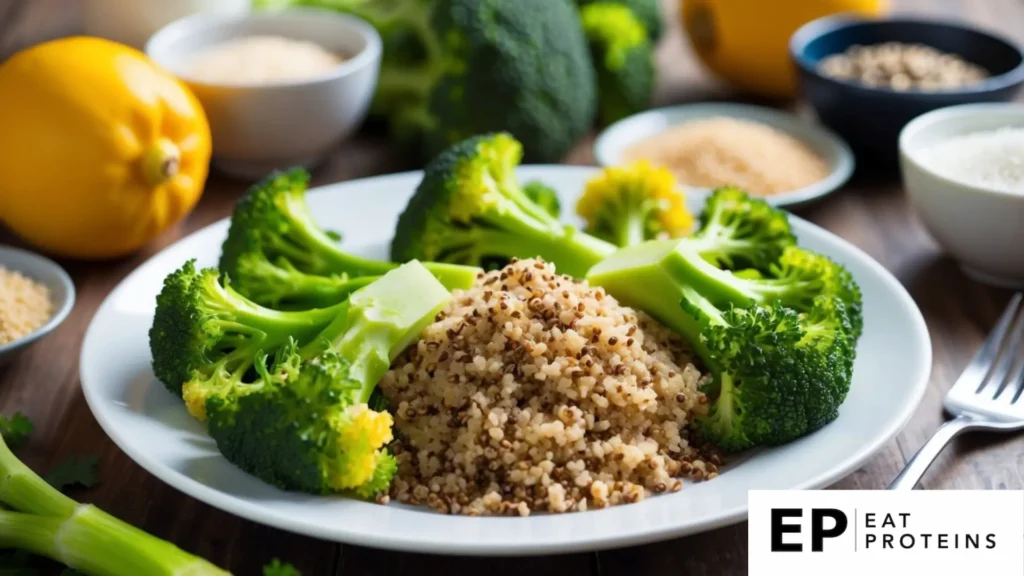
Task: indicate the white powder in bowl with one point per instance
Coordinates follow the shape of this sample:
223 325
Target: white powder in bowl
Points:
990 159
262 60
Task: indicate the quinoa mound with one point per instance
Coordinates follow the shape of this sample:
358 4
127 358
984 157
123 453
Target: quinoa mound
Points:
535 392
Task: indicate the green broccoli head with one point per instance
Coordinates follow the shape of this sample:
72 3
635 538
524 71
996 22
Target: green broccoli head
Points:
544 196
470 209
738 231
521 67
631 204
203 329
305 422
778 374
648 12
301 427
623 57
277 255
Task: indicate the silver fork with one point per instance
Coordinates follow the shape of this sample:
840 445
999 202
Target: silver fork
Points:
985 397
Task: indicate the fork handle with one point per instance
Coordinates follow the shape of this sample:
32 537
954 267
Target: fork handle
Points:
919 463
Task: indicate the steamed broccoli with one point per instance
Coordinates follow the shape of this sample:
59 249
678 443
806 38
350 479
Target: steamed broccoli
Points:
773 323
455 68
623 58
304 423
631 204
545 196
470 209
205 329
276 255
647 11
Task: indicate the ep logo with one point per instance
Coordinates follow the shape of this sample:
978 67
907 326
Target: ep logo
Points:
823 523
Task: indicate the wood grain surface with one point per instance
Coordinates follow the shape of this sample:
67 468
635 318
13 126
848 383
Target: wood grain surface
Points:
872 212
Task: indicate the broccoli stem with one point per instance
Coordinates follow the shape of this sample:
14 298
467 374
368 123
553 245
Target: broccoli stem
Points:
48 523
572 253
631 231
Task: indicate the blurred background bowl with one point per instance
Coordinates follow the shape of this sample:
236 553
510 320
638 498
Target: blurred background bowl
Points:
257 128
870 119
982 228
49 274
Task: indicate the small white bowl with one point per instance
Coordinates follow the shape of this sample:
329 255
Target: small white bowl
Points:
49 274
982 228
614 141
258 128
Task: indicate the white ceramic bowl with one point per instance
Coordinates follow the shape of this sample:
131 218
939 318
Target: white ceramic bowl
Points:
614 141
982 228
49 274
259 128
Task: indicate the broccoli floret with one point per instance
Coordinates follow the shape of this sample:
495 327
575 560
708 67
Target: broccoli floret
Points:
647 11
773 323
470 209
623 57
276 254
305 424
204 328
631 204
545 196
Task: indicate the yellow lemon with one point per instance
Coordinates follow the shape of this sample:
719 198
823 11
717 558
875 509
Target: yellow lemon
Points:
100 150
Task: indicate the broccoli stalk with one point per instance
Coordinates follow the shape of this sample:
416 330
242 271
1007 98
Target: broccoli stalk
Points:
631 204
305 423
773 323
276 254
45 522
203 329
470 209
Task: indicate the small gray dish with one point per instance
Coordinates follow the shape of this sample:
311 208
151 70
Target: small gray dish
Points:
49 274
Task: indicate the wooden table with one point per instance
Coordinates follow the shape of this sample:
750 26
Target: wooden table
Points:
872 213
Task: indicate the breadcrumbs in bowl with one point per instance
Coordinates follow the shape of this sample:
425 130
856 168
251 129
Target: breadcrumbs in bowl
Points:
535 392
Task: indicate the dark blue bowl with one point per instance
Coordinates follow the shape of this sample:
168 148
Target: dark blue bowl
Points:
870 119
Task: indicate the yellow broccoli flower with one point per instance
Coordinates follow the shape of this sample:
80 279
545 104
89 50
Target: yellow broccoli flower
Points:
630 204
362 433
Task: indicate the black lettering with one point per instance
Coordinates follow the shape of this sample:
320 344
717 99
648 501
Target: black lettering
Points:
886 540
991 539
973 540
943 541
888 522
869 539
779 528
818 531
925 538
907 538
869 520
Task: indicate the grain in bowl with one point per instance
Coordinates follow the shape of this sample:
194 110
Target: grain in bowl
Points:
533 391
25 305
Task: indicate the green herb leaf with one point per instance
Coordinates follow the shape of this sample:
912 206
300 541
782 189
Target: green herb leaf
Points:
71 572
73 472
277 568
16 429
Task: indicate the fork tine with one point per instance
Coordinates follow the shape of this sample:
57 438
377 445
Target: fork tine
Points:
1018 380
1008 358
977 370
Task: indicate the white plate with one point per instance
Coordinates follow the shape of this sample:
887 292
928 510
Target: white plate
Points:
611 144
153 428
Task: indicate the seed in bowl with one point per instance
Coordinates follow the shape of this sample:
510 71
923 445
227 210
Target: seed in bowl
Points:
723 151
533 391
261 60
902 67
987 159
25 305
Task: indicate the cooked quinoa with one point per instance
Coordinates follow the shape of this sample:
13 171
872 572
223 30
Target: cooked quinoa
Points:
536 392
